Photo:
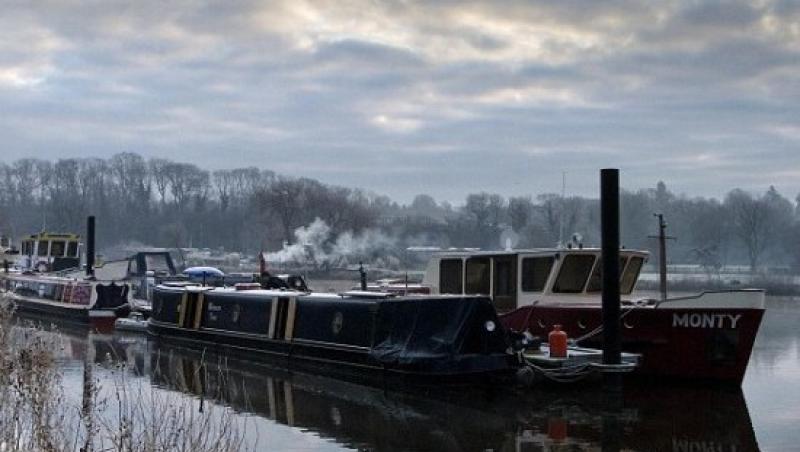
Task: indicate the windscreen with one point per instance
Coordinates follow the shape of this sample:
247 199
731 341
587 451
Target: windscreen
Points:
157 262
574 273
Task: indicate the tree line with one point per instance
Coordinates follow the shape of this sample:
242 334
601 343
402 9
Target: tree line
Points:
160 202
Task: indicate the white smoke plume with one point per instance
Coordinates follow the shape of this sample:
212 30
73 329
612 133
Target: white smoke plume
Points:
316 247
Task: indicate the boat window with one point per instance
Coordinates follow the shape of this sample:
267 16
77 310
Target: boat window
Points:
72 249
477 276
157 263
26 248
631 275
504 277
57 248
450 276
43 244
535 271
596 280
574 272
133 267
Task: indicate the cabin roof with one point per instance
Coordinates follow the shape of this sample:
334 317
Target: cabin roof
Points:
53 236
267 294
545 251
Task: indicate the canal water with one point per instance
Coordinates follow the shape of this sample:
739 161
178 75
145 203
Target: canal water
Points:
277 410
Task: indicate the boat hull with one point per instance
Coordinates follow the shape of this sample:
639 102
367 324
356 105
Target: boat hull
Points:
101 320
680 342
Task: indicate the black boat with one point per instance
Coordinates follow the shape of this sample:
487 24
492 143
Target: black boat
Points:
356 335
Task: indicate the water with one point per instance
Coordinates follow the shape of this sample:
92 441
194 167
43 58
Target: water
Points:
772 382
285 411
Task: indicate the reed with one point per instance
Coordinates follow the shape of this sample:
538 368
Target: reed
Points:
115 411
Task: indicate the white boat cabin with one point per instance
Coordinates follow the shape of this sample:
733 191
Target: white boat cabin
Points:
520 277
50 251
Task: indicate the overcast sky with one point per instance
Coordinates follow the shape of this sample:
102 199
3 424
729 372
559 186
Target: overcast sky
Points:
401 98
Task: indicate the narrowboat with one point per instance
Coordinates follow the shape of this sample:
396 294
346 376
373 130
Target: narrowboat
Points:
708 336
143 271
358 335
83 301
38 285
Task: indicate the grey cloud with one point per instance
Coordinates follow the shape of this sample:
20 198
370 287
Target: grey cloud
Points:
446 100
720 14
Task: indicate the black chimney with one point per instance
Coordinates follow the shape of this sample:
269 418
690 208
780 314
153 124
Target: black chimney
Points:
90 246
363 276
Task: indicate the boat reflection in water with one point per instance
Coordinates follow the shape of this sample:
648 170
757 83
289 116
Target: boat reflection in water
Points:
355 416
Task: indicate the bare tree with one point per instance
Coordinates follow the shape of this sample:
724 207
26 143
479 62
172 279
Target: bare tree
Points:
519 211
749 222
158 173
64 195
223 182
284 200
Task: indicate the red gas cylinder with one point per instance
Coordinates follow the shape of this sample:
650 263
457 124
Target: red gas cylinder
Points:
558 342
557 428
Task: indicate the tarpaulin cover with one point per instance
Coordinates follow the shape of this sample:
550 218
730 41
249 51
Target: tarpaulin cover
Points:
443 335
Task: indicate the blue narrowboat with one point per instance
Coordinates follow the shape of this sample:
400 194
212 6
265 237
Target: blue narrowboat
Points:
359 334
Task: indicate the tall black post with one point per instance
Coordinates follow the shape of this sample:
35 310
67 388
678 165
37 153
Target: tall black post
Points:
90 246
363 276
609 220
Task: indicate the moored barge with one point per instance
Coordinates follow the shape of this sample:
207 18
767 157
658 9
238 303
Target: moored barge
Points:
355 335
708 336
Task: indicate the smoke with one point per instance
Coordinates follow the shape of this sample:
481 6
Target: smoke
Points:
316 247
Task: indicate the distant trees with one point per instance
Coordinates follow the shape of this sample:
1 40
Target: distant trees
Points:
166 203
287 203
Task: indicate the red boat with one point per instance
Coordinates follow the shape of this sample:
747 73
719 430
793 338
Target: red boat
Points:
708 336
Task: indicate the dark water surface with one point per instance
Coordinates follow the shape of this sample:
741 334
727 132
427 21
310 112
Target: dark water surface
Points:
284 411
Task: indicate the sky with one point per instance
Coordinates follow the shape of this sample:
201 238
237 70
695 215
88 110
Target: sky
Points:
398 97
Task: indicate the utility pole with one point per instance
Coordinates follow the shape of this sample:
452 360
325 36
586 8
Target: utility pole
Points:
561 206
662 253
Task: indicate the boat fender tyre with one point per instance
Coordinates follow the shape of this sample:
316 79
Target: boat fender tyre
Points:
525 376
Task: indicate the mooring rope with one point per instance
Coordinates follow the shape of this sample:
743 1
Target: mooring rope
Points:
566 374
